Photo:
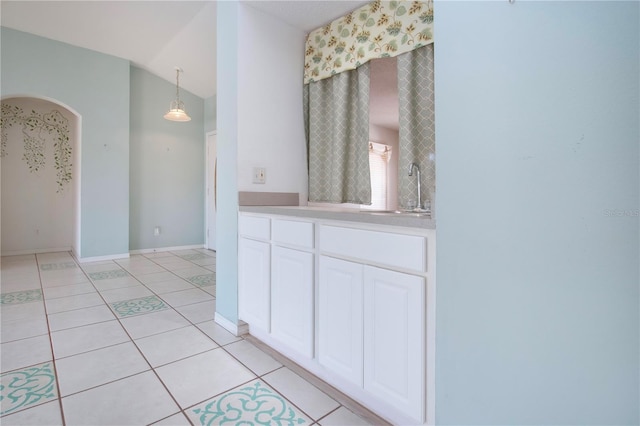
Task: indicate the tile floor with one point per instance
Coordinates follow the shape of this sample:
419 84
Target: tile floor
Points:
133 342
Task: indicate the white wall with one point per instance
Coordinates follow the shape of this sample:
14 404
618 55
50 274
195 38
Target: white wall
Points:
259 121
271 127
37 214
537 129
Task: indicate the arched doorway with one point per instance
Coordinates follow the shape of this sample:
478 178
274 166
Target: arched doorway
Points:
40 158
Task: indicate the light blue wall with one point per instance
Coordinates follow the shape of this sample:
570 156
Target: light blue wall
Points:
167 166
537 123
227 144
97 87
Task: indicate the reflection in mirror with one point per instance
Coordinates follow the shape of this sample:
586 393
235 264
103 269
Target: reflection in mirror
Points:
384 119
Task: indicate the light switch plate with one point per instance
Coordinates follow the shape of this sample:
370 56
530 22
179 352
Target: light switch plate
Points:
259 175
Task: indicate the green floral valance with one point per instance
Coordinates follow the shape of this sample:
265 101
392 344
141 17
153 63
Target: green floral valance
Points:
376 30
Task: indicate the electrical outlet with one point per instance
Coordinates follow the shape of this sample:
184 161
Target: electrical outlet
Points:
259 175
156 231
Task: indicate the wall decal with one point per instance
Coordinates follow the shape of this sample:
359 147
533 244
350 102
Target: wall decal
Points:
38 129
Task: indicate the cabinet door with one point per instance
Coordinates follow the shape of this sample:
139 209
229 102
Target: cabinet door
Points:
340 318
254 274
394 336
292 299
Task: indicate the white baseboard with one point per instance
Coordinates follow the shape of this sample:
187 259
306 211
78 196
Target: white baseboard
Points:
101 258
161 249
231 327
34 251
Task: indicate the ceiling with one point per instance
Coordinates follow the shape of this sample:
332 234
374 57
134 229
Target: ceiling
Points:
159 36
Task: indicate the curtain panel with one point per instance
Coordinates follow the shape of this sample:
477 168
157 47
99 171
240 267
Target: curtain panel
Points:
417 124
336 115
379 29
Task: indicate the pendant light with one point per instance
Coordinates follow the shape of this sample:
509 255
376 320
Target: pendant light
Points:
176 108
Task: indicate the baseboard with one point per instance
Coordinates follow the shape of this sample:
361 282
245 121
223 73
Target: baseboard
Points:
101 258
233 328
161 249
34 251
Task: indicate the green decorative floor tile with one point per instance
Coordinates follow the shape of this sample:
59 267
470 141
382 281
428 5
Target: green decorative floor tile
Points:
27 387
105 275
194 256
203 280
17 297
143 305
57 266
251 404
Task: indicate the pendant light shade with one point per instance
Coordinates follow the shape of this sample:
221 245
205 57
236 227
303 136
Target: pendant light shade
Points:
176 108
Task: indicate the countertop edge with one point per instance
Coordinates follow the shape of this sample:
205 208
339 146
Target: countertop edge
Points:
401 220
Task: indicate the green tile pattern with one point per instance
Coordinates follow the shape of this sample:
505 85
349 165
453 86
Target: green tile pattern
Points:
250 405
18 297
194 256
57 266
143 305
106 275
23 388
205 280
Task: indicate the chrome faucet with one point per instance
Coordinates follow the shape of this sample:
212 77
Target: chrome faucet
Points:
411 167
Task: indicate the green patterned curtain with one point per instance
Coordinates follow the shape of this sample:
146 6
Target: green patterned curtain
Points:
417 124
337 125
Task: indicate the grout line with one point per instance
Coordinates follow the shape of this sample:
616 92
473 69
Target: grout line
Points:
53 355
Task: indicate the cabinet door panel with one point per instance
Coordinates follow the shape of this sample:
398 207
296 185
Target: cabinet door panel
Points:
254 274
394 333
292 299
340 318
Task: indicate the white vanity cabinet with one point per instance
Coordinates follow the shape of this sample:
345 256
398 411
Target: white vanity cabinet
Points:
292 299
394 339
254 271
340 318
349 303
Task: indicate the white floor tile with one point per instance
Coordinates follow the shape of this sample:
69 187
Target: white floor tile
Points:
125 293
69 303
22 329
192 271
176 420
9 286
80 317
80 372
198 312
217 333
252 357
22 311
343 417
158 322
110 284
186 297
87 338
155 277
25 352
41 415
68 290
136 400
310 399
57 282
176 284
203 376
173 345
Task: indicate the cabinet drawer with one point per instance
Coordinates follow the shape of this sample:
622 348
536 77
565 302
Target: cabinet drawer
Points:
293 232
254 227
403 251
